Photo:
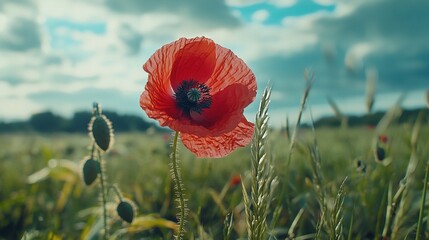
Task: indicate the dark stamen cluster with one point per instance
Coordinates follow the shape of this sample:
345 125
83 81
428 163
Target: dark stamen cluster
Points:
193 96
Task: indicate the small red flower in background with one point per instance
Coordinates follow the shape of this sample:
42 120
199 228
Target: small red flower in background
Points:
383 138
235 180
371 127
200 89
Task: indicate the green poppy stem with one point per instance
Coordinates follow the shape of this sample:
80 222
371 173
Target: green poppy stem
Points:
175 171
103 195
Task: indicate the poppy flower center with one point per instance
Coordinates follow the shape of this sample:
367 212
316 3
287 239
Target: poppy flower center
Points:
193 96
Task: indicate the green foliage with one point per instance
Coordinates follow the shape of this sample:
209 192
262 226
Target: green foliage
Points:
42 194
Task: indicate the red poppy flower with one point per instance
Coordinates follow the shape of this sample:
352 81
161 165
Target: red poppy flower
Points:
200 89
383 138
235 180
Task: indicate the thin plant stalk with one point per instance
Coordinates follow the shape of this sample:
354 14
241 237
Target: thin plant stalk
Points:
103 195
309 79
175 171
422 206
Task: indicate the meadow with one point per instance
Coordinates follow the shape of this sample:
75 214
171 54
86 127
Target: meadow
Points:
336 185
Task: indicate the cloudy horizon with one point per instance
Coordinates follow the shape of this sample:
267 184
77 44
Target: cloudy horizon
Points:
63 55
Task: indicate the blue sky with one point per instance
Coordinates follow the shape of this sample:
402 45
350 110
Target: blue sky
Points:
61 55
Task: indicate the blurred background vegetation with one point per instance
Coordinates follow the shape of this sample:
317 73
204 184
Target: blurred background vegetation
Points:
42 194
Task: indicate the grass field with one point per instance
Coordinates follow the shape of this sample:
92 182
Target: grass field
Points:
42 195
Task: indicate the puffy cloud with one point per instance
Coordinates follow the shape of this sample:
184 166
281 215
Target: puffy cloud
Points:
260 15
241 3
20 34
283 3
210 13
131 38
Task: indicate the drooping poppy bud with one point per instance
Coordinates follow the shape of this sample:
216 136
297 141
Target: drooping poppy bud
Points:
90 171
380 153
125 211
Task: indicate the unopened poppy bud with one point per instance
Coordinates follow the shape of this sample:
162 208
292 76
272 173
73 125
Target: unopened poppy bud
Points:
125 210
360 166
101 131
91 168
380 153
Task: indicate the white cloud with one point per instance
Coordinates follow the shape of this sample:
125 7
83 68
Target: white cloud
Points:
260 15
76 11
356 53
241 3
324 2
283 3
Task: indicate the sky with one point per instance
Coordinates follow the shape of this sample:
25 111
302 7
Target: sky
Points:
62 55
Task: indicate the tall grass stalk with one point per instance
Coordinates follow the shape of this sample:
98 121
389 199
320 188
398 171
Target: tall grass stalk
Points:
408 180
422 206
291 231
331 217
371 81
263 181
392 204
318 182
309 80
341 117
178 188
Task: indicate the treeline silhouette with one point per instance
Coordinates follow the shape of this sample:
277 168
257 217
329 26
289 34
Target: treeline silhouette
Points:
49 122
372 119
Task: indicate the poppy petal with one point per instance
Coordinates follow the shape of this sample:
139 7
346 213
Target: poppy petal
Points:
220 146
158 98
230 69
195 61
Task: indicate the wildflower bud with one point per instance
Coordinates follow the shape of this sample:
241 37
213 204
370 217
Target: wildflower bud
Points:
360 166
101 131
125 210
91 168
380 153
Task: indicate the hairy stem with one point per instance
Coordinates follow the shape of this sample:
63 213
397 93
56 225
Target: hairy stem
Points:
179 190
103 195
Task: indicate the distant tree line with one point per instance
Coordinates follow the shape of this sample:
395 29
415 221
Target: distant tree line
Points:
48 122
372 119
